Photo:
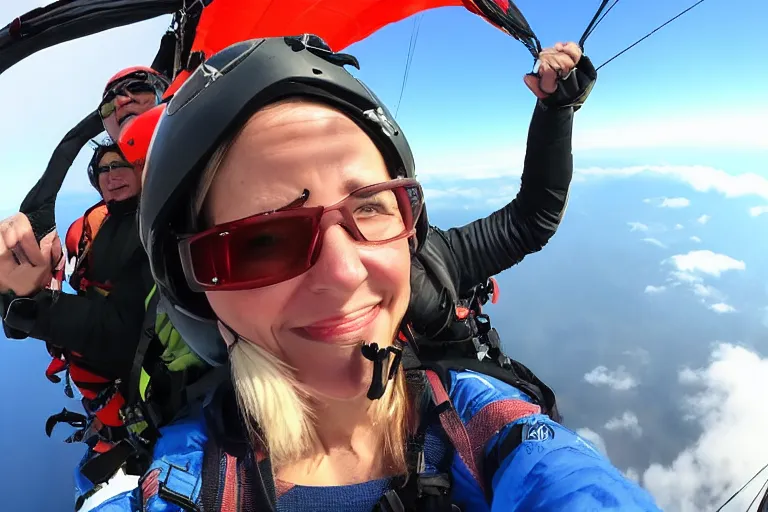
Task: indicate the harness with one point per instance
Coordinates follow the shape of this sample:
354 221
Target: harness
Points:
122 416
235 478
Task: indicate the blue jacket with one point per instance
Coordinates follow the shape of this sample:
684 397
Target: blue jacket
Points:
551 469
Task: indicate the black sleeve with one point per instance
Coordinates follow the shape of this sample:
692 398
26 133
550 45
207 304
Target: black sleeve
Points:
490 245
104 329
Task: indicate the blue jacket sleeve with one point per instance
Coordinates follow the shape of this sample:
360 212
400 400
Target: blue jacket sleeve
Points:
548 469
554 469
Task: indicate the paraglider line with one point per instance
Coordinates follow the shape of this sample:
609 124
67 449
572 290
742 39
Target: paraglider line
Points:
591 28
760 493
743 486
409 58
649 34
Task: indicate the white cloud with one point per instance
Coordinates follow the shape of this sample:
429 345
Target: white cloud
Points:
677 277
619 380
758 210
627 421
679 226
639 354
731 448
674 202
632 474
637 226
694 130
696 239
722 307
700 178
706 262
704 219
705 290
594 438
655 242
650 289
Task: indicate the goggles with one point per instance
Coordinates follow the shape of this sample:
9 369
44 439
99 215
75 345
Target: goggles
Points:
130 85
275 246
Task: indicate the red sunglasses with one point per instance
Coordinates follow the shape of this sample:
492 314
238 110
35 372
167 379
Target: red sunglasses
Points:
271 247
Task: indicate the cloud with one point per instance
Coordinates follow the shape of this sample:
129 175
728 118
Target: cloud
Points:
706 291
706 262
678 277
696 239
692 129
722 307
619 380
758 210
726 404
639 354
674 202
637 226
627 421
655 242
632 474
594 438
700 178
703 219
679 226
650 289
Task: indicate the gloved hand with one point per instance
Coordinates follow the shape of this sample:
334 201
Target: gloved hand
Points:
562 77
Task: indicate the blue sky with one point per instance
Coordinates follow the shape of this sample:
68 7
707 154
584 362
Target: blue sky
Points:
659 261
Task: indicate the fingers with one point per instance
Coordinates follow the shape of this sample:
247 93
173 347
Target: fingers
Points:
554 64
19 239
532 81
23 264
50 248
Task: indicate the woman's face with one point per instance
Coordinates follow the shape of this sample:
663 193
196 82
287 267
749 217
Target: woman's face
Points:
314 322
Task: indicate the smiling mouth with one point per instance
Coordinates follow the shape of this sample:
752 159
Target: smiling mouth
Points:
341 330
125 118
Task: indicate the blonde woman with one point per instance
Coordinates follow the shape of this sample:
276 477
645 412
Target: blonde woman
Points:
280 204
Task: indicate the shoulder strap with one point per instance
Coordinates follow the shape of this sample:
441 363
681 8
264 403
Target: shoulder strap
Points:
147 336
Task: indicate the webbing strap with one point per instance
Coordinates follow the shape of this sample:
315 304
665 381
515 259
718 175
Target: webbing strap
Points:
453 426
147 335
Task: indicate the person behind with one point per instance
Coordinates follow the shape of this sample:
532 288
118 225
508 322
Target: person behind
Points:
280 204
94 334
128 94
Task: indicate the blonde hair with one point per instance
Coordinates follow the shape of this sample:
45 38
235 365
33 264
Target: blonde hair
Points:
277 408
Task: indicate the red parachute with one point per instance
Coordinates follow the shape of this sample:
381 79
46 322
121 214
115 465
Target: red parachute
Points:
339 22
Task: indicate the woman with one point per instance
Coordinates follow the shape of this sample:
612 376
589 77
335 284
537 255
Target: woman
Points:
279 201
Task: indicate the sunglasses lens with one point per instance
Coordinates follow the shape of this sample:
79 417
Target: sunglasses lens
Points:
267 249
259 252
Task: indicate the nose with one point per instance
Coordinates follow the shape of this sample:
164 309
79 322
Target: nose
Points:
122 99
338 269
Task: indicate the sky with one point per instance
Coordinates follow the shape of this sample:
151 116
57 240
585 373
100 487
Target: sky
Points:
647 312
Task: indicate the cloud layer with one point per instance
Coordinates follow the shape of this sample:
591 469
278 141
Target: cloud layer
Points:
619 379
728 403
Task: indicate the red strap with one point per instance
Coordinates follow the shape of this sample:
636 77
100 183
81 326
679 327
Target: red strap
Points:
229 498
454 428
470 440
150 486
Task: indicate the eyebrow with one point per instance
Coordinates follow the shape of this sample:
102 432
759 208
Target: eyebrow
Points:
352 184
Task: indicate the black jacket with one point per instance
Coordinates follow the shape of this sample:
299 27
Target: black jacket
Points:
104 330
467 256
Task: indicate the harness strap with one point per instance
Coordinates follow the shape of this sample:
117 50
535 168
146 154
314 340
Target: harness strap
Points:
72 419
453 426
147 335
101 467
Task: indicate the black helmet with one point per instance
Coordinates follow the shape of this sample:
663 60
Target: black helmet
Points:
99 150
214 102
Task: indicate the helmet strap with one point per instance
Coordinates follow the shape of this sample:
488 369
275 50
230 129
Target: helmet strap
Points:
379 357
